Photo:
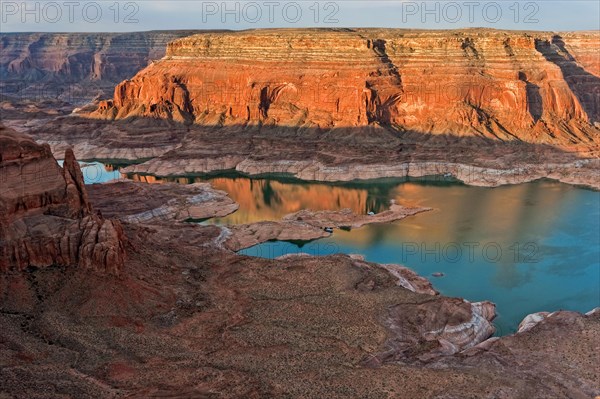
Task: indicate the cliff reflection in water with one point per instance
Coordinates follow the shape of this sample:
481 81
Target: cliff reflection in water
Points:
461 213
269 199
528 248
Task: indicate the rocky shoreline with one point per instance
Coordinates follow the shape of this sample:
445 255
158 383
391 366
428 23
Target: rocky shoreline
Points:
198 152
580 172
174 150
307 225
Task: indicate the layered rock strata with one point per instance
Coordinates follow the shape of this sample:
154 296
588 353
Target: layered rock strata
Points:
75 67
140 203
380 155
539 87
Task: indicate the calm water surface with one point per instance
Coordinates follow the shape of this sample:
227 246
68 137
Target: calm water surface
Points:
528 248
97 172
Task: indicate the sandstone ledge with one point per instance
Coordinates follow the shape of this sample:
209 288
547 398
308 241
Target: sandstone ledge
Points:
345 218
143 203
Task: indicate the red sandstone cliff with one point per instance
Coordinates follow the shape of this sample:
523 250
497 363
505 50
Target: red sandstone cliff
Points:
539 87
45 216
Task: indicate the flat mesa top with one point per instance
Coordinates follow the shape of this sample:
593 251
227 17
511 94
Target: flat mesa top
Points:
394 32
320 41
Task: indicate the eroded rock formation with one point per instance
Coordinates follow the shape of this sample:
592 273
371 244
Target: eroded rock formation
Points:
539 87
434 329
406 278
46 218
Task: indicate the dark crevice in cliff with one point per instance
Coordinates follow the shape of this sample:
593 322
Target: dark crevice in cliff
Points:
535 105
508 48
534 98
187 108
265 102
379 49
468 46
377 104
584 85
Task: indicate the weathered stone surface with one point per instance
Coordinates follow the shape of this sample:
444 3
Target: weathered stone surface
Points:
238 237
410 280
46 217
138 202
375 153
532 350
532 320
430 330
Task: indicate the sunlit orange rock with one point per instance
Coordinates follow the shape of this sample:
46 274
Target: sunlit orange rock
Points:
539 87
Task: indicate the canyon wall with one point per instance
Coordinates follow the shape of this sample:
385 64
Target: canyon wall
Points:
540 87
75 66
45 216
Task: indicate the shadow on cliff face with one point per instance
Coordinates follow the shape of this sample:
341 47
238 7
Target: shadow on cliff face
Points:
535 104
584 85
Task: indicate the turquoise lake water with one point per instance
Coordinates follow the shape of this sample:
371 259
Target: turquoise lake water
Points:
527 248
96 172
